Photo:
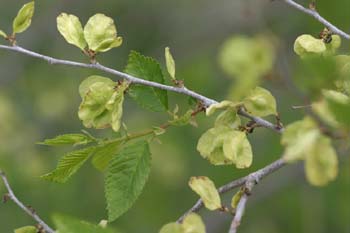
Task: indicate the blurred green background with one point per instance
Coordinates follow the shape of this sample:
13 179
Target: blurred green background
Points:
39 101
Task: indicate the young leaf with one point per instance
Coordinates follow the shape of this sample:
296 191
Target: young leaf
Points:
125 178
3 34
210 145
206 189
66 224
222 105
172 228
101 33
170 63
298 138
237 149
228 118
236 198
23 18
69 164
26 229
70 28
102 104
193 223
339 105
260 102
321 162
67 139
182 120
150 98
104 154
307 45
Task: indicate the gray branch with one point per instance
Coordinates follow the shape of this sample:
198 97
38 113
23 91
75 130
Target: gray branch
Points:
258 175
318 17
26 209
136 80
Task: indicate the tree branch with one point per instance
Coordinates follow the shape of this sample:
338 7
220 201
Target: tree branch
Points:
136 80
318 17
26 209
258 175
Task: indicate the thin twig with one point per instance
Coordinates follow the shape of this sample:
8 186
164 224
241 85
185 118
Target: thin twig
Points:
258 175
26 209
319 18
250 183
136 80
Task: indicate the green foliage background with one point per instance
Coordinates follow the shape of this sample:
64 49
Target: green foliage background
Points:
40 101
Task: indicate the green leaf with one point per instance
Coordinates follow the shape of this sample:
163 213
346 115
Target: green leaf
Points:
260 102
339 105
85 85
26 229
236 198
67 139
66 224
244 57
182 120
207 191
70 28
147 68
222 105
308 45
193 223
3 34
23 18
334 45
104 154
210 145
102 104
321 162
69 164
170 63
298 138
172 228
126 176
237 148
101 33
228 118
323 111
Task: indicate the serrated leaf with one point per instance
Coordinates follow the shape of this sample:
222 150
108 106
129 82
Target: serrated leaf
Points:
321 162
104 154
237 148
170 62
66 224
207 191
308 45
125 178
147 68
193 223
67 139
236 198
298 138
172 228
70 28
100 33
23 18
3 34
260 102
69 164
26 229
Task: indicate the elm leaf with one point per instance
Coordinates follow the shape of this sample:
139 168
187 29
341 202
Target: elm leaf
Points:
170 62
207 191
23 18
70 28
